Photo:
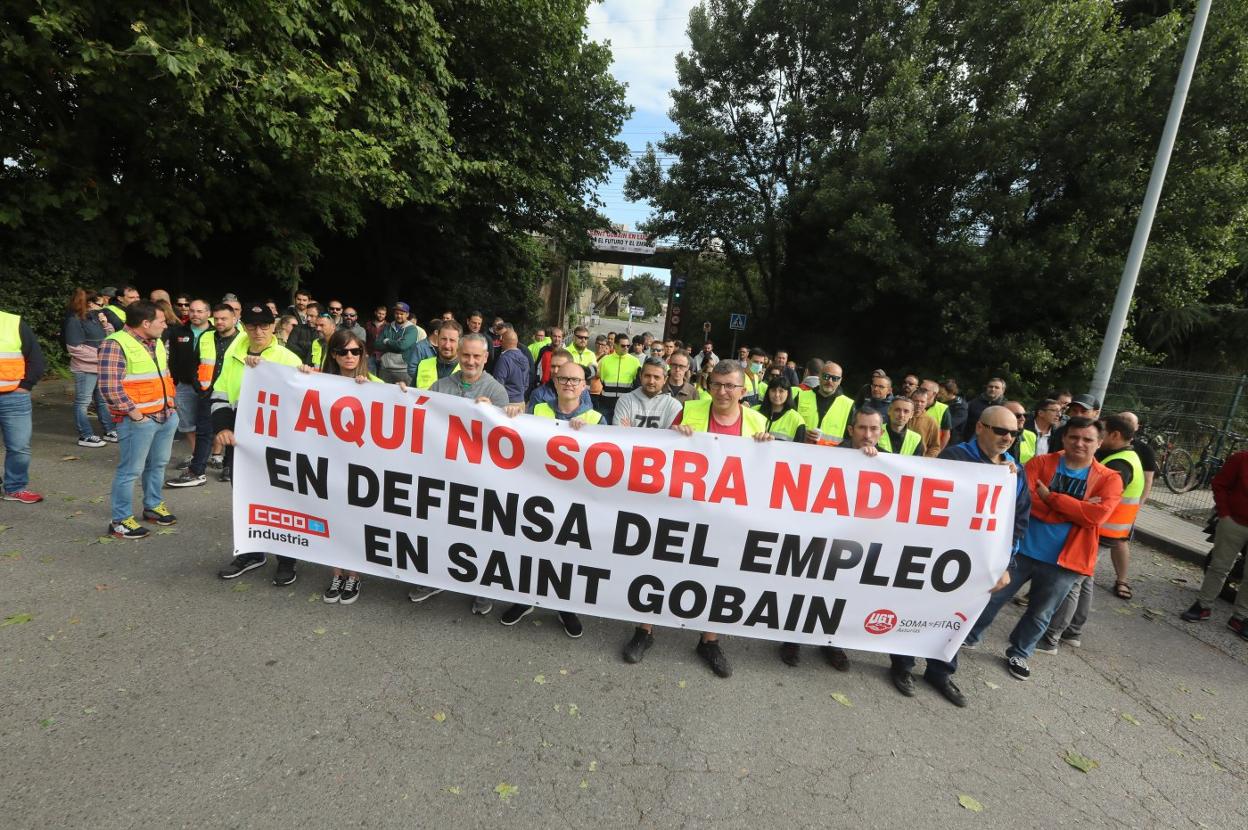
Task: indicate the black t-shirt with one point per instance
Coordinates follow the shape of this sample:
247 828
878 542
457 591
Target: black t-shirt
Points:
1148 458
1118 465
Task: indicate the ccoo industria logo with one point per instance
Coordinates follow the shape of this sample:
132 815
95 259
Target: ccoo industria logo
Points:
290 521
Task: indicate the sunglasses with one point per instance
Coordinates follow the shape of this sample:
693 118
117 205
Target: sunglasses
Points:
183 305
1002 431
826 376
333 308
350 316
353 351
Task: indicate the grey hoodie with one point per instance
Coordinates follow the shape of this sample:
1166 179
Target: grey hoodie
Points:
641 411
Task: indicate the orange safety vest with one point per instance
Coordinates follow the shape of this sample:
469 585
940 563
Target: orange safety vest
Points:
147 382
12 363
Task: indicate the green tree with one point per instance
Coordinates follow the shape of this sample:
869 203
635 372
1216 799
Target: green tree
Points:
952 182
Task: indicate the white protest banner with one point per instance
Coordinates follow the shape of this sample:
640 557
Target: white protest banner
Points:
628 242
774 540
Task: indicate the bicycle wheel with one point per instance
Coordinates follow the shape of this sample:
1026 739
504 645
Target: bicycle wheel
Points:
1179 471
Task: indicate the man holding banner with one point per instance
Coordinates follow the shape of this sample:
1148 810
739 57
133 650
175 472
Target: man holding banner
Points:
723 414
994 435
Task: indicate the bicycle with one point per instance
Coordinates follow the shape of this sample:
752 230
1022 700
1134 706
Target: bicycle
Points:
1182 474
1161 441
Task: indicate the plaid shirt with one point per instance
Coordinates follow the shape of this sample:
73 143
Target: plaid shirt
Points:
113 369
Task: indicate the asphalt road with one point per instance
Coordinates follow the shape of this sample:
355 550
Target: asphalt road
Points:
145 692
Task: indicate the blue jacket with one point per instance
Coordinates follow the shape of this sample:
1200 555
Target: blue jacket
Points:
969 451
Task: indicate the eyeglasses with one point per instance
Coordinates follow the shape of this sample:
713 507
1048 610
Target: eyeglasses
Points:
335 308
183 305
678 365
572 381
1002 431
716 386
354 351
826 376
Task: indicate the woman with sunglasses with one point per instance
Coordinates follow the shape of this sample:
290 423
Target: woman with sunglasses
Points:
345 356
778 405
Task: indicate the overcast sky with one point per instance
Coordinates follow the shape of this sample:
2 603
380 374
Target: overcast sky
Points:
645 36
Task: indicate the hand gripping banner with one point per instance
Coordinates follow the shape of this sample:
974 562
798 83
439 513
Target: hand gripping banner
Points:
774 540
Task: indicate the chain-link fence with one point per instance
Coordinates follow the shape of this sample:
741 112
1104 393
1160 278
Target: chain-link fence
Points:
1193 420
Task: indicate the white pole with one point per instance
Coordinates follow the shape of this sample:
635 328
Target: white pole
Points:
1131 271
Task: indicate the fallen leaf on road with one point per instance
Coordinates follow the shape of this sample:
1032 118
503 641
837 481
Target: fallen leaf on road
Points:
313 597
12 554
165 531
3 528
991 685
1131 719
1123 610
454 790
506 791
1210 691
70 458
584 784
1080 762
540 679
103 540
593 766
90 710
841 699
439 716
97 500
1197 716
240 587
102 587
46 722
16 619
320 630
574 710
1218 766
563 671
680 684
970 804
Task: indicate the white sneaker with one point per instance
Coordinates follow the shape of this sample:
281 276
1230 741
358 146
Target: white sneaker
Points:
91 441
482 606
422 592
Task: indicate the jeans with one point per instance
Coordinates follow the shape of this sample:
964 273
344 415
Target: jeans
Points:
86 387
16 426
1073 611
144 446
1049 586
1227 540
203 436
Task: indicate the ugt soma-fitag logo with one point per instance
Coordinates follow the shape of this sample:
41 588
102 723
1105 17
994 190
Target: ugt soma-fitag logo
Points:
290 526
884 621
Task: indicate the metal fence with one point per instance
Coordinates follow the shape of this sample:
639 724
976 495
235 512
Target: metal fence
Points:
1194 420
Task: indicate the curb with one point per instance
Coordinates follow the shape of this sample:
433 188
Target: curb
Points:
1171 547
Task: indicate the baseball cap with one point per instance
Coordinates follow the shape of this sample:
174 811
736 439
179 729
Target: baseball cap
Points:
257 314
1086 401
402 307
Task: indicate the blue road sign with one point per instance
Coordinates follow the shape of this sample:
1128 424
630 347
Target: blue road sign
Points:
736 322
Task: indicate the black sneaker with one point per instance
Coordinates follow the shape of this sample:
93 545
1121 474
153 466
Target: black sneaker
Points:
836 657
241 564
903 680
127 528
350 590
791 654
636 648
227 474
185 463
949 689
159 515
515 614
1018 668
187 479
285 574
571 624
1197 613
713 656
334 592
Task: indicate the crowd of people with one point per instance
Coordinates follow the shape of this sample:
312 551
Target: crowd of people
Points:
164 367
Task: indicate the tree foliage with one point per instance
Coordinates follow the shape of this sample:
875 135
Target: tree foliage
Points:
643 290
952 182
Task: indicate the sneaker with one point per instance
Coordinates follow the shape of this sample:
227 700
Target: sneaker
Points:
637 647
949 689
836 657
571 624
185 463
970 645
1021 600
1239 625
187 479
110 436
1071 640
904 681
334 592
350 590
285 574
1197 613
791 654
216 462
127 528
241 564
422 592
482 606
227 474
1045 646
1018 668
24 496
713 656
515 613
91 441
159 515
